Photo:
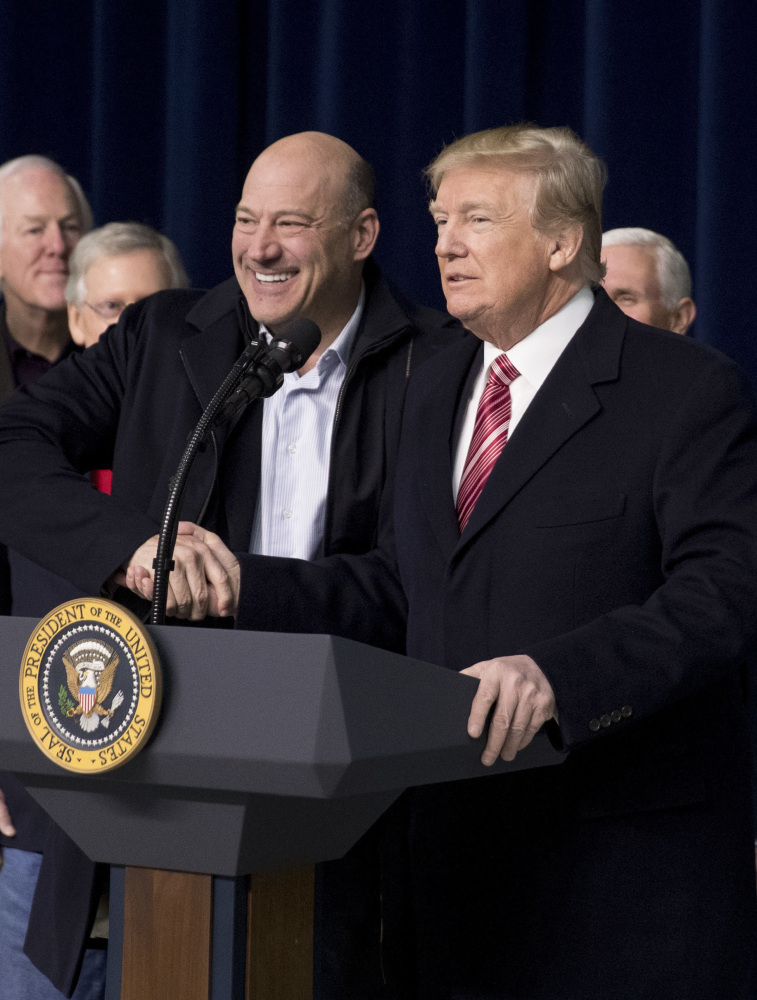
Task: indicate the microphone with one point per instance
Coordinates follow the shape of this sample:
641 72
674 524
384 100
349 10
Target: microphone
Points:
258 372
287 353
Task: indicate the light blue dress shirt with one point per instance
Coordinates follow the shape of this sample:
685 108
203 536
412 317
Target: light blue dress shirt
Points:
298 421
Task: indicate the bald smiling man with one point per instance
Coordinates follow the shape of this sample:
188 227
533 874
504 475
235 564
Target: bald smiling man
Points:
301 474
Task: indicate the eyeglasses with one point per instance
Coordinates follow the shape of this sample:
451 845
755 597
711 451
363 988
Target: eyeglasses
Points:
107 310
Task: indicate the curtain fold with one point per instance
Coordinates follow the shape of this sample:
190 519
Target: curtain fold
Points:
159 107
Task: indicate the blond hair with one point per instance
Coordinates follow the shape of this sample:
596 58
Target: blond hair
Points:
569 176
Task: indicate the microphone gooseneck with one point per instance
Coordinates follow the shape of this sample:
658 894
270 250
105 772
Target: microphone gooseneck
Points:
257 373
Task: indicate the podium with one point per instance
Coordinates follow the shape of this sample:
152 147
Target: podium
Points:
272 752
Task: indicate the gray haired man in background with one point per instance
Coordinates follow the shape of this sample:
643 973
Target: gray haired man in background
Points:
648 278
112 267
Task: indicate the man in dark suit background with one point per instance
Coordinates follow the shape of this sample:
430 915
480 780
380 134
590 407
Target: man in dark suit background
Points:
43 215
575 518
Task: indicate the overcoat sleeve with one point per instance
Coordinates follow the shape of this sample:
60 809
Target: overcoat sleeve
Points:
52 434
702 621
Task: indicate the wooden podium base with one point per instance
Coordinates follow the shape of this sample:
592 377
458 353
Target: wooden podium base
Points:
169 947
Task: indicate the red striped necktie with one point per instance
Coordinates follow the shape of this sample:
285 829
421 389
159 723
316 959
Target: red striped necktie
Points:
489 435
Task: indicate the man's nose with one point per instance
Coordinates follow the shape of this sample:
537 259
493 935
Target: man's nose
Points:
55 241
448 242
263 244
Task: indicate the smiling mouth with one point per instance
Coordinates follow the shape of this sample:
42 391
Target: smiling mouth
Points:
269 279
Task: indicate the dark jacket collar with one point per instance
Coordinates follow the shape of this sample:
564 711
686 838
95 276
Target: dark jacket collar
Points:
387 312
561 407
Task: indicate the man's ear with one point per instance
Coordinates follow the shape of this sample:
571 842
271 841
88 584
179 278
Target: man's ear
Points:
74 325
565 248
683 316
366 229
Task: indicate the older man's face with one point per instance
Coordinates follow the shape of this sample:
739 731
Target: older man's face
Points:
112 283
494 265
633 285
293 253
42 224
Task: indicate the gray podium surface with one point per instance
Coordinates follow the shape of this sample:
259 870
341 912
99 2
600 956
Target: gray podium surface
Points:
271 749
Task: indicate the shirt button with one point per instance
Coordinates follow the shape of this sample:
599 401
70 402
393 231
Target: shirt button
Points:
292 449
626 711
605 721
594 725
616 716
286 512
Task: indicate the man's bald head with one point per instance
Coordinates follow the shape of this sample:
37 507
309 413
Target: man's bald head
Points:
354 186
304 226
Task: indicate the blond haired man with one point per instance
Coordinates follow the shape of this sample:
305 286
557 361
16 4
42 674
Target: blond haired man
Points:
575 526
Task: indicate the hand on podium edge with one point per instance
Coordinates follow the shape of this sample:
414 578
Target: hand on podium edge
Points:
204 581
523 701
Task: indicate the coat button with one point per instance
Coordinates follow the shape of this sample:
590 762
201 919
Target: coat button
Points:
605 721
616 716
594 725
625 711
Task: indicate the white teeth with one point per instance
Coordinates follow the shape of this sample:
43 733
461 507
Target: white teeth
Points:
283 276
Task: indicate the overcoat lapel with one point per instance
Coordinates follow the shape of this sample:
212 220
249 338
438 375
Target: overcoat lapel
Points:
433 447
208 356
564 404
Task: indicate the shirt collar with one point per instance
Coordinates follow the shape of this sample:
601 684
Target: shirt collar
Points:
343 343
536 354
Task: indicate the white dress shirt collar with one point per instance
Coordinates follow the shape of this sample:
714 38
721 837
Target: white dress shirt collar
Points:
536 354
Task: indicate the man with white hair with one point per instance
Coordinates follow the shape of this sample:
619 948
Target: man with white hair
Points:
110 268
43 215
648 278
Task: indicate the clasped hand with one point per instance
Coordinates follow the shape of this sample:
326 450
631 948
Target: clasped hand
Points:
523 701
204 581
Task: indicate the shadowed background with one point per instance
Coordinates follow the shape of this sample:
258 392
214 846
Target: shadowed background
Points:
159 107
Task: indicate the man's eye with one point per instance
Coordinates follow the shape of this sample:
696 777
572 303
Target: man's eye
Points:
33 230
290 224
110 310
72 227
244 221
439 223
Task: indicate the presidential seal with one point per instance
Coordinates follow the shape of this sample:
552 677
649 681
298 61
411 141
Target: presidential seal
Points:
90 685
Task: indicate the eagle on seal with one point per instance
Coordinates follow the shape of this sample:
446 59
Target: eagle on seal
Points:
90 670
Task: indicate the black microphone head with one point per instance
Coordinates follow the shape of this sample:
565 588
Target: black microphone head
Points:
305 335
299 341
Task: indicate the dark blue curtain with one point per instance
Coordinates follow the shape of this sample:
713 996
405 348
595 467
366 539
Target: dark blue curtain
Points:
159 106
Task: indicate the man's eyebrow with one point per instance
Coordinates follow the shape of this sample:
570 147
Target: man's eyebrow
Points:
44 218
467 206
284 211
